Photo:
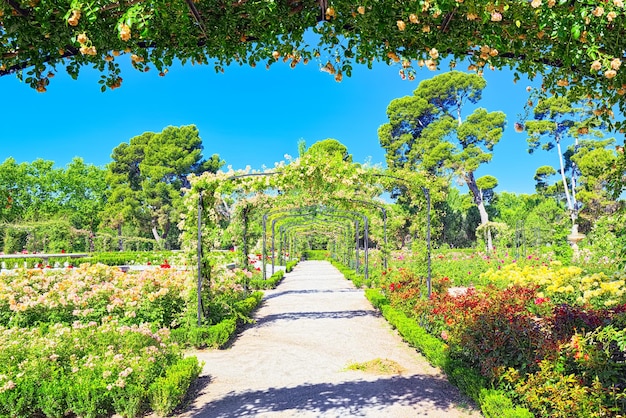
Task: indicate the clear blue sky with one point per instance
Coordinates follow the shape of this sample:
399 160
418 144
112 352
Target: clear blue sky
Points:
249 116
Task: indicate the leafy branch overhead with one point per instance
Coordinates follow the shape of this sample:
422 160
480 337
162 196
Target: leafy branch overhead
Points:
575 45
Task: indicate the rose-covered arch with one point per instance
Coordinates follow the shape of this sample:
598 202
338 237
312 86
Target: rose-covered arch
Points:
576 46
290 195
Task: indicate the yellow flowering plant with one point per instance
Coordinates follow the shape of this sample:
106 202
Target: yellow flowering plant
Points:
565 284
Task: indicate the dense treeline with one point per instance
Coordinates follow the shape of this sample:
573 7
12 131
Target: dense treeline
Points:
132 203
433 138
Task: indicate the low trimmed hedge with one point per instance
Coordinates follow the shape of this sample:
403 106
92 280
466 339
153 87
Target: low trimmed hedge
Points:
316 254
167 392
218 335
290 266
357 278
494 404
270 283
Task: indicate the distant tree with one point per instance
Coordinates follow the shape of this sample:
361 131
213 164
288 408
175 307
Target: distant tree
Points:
42 184
460 219
573 130
82 191
426 131
14 198
594 159
331 147
147 178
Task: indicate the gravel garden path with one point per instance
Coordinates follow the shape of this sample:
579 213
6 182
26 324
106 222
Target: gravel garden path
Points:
292 362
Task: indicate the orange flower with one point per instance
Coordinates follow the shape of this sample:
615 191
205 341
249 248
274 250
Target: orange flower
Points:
610 74
616 63
596 65
124 32
74 18
82 38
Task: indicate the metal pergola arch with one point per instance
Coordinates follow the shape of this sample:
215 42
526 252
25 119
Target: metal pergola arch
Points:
356 229
306 211
426 192
303 225
384 213
308 227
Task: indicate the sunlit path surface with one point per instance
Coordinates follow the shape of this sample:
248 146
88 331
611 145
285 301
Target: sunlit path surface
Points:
292 361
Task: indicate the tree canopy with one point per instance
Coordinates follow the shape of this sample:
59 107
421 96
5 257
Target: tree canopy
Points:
148 174
426 132
575 45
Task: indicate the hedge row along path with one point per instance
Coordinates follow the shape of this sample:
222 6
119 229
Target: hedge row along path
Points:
292 361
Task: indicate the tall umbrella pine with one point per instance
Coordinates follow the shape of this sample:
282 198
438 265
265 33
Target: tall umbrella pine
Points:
427 132
558 121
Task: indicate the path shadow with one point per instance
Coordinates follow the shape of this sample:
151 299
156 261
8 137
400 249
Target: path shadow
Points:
294 316
348 398
308 292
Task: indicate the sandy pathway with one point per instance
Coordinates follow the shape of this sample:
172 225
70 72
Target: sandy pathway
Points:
291 362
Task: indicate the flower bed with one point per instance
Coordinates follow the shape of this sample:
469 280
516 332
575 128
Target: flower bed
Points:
551 338
93 293
95 341
89 370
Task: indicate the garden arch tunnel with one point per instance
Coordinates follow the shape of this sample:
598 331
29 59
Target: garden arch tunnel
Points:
334 228
356 234
311 211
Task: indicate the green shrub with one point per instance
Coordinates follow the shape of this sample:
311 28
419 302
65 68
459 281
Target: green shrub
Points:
85 370
551 393
130 257
208 336
219 334
495 404
270 283
290 265
468 380
356 278
168 391
316 254
376 298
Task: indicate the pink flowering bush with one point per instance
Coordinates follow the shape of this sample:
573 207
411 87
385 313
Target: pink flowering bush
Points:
82 369
93 293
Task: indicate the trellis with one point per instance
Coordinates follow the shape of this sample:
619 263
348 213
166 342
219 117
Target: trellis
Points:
312 211
292 217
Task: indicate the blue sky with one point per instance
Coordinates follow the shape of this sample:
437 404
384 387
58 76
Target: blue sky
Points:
249 116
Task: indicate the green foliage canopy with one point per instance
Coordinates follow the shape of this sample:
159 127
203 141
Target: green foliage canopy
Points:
148 175
575 45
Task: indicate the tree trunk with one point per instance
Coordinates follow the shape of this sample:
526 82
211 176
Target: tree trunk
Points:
120 242
155 234
478 200
571 203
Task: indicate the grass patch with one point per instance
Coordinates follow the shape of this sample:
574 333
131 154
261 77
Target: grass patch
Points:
377 366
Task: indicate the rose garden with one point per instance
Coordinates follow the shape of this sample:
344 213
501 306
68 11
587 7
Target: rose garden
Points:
112 276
